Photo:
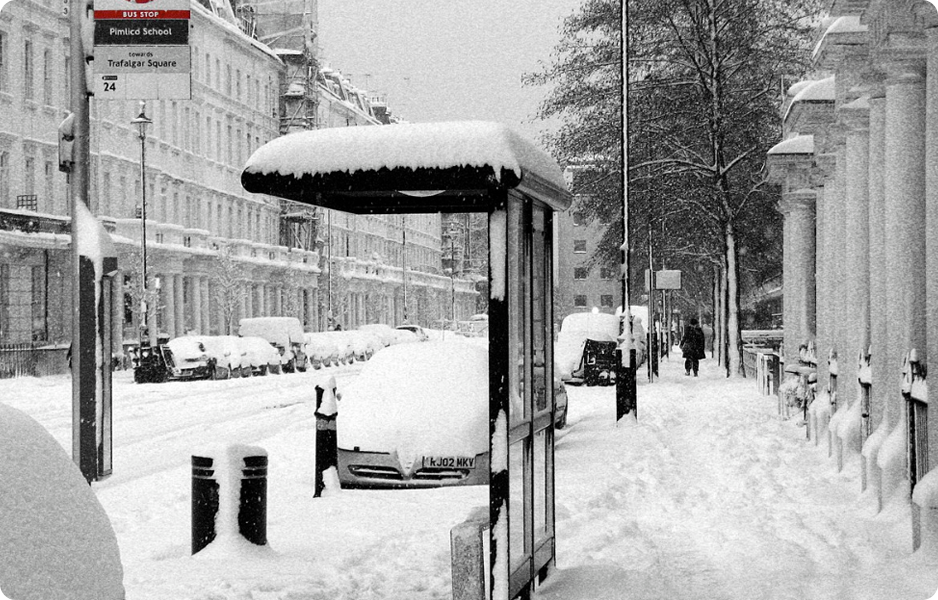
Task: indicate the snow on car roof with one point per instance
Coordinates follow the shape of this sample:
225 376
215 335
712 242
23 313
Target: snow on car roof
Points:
459 156
427 398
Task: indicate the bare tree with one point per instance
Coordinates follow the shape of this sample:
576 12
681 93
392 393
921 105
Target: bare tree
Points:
228 284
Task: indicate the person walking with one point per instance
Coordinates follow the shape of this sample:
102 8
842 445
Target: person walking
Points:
692 346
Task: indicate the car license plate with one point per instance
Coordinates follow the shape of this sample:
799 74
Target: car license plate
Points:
449 462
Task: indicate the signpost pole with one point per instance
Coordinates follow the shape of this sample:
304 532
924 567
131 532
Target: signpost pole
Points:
84 326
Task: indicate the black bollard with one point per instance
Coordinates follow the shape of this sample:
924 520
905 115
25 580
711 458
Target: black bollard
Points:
252 510
327 453
204 502
252 500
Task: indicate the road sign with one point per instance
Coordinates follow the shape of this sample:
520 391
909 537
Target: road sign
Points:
141 32
141 50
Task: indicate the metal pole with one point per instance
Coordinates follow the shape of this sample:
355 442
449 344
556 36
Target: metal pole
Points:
84 323
404 261
143 221
329 280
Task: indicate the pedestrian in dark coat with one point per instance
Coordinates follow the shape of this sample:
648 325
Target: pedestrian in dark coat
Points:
692 346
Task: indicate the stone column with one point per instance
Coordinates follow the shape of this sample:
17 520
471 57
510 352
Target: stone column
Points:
261 300
249 297
180 305
905 252
856 264
877 256
197 304
823 212
278 300
169 301
117 313
931 235
798 208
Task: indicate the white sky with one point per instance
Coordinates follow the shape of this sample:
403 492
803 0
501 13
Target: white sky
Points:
442 61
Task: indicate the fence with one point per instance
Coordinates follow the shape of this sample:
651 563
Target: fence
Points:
32 360
763 365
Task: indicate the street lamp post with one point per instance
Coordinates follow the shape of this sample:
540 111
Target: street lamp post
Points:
142 122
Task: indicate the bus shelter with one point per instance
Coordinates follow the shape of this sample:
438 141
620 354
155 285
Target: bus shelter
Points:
465 167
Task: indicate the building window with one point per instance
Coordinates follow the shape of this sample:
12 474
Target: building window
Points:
579 301
605 300
40 330
579 246
28 69
47 77
606 273
580 273
30 183
578 219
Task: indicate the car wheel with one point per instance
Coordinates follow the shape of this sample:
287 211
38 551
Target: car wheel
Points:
246 371
221 373
275 369
290 367
561 421
235 372
262 371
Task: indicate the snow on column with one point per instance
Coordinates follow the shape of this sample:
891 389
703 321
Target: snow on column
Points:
905 249
840 319
856 265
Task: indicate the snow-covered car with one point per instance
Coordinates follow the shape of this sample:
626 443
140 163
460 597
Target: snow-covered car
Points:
57 541
227 353
388 334
284 332
570 352
187 359
416 416
416 330
322 349
476 326
262 357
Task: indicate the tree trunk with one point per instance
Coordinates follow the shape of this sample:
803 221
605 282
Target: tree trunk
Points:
734 335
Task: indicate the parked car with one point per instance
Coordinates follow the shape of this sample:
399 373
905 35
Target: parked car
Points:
227 353
150 365
186 358
416 330
585 348
261 355
416 416
284 332
389 335
322 349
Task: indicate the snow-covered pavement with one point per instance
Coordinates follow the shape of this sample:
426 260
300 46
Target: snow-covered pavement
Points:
710 495
707 496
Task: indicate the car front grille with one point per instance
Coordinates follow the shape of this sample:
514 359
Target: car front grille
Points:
439 474
376 471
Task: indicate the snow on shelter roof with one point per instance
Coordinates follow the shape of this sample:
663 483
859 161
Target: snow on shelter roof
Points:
421 167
